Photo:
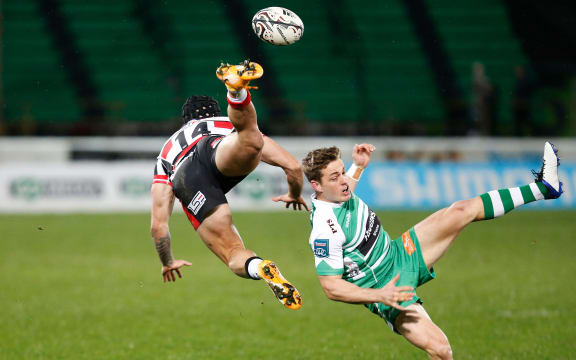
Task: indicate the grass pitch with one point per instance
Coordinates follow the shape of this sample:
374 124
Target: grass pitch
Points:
89 287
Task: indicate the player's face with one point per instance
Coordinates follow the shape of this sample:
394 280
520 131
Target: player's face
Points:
333 185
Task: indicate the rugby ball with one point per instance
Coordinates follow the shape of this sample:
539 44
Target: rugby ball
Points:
277 26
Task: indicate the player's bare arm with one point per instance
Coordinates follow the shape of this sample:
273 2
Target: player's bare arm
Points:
162 205
338 289
361 158
276 155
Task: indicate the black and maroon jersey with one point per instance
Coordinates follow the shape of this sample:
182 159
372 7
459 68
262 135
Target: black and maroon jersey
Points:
182 143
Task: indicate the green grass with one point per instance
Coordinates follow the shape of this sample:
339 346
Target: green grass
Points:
88 287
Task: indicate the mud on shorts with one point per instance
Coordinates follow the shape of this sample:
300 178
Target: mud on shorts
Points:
409 263
198 183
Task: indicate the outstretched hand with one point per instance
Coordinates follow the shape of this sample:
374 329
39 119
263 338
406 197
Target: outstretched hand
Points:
290 200
392 294
361 154
168 271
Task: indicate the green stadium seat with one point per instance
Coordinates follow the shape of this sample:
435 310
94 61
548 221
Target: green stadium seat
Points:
35 82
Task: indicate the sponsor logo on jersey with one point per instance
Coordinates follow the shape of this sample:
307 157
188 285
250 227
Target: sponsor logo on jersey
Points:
348 216
371 234
331 224
370 226
408 243
321 248
197 202
352 269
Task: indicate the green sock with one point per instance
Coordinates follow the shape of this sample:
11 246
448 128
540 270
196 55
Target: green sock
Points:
499 202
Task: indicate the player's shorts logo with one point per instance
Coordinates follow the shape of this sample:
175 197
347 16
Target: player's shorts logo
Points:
408 243
197 202
321 248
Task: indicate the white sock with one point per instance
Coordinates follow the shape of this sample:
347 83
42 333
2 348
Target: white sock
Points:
237 96
253 268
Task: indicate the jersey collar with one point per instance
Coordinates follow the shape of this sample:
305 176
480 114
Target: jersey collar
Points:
317 202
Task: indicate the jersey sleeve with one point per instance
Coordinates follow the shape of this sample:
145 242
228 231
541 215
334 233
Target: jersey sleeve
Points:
328 256
161 173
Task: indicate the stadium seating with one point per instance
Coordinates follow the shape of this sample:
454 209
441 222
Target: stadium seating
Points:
479 31
355 65
399 78
202 38
363 65
132 82
36 87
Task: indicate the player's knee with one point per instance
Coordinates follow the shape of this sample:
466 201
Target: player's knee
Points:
237 267
440 350
237 260
253 149
461 212
254 142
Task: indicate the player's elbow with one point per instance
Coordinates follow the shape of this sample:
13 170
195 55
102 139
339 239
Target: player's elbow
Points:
331 295
294 166
158 230
331 292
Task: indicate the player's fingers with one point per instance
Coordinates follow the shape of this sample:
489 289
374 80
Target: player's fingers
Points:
394 279
407 296
187 263
369 148
172 277
305 206
287 205
404 288
276 198
179 273
396 306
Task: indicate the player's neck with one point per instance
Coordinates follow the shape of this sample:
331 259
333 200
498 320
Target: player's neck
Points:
321 197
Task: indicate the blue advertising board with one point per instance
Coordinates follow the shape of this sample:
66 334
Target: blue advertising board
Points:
406 185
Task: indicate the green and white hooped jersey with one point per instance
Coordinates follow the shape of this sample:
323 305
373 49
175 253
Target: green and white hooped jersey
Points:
347 239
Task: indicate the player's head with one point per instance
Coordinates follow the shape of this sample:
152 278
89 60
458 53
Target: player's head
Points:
327 174
200 107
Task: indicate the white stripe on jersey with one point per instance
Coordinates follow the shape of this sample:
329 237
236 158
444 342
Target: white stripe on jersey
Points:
386 244
380 258
173 149
360 227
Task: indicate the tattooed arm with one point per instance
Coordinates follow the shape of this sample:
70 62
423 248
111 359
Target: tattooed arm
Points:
162 204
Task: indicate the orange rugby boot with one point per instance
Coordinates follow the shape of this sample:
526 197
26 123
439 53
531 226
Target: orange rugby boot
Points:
238 77
284 291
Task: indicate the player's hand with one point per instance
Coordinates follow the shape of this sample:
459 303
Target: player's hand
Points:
297 203
168 271
361 154
392 294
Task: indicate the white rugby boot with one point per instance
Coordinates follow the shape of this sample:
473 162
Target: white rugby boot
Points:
548 174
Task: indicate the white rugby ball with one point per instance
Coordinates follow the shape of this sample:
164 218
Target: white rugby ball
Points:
277 26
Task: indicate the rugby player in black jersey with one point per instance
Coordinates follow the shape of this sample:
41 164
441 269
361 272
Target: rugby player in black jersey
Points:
204 160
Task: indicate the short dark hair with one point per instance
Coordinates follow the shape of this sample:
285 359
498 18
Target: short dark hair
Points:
200 107
317 160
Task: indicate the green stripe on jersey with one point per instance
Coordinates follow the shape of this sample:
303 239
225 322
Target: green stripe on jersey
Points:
324 269
355 219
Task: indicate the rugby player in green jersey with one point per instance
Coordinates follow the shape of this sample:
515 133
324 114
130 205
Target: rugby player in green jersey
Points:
357 262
